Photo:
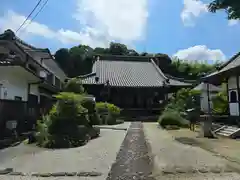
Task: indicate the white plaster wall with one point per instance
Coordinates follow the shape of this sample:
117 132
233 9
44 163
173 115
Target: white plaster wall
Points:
14 86
15 82
233 108
35 91
232 83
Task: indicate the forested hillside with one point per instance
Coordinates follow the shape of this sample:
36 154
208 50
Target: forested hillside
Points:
78 60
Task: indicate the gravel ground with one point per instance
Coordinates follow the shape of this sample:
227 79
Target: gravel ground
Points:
225 147
174 160
12 152
208 176
132 160
98 156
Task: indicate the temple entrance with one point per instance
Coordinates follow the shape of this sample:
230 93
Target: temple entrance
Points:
136 98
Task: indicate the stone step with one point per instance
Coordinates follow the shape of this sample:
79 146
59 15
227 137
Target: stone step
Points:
231 127
227 131
223 134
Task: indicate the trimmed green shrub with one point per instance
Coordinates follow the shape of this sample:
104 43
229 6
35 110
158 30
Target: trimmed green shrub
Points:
94 119
220 103
108 112
94 132
90 105
175 111
74 85
42 131
102 108
60 128
173 118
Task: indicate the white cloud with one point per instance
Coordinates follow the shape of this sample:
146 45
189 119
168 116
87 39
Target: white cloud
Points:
200 53
192 9
87 36
233 22
121 20
12 20
102 21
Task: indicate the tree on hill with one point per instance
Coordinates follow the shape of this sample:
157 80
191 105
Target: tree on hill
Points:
118 49
78 60
190 69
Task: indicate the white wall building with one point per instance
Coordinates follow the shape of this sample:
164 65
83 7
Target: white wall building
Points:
28 75
229 73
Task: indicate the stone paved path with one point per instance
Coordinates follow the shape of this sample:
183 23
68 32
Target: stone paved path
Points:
172 160
132 161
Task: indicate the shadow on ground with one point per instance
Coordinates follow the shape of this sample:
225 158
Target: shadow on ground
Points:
188 141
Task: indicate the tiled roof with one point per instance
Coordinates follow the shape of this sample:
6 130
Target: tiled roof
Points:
37 54
174 81
130 74
126 74
203 87
234 62
27 48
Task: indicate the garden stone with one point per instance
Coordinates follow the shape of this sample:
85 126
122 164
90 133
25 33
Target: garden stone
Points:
71 173
82 174
42 174
57 174
89 174
216 170
168 171
6 171
17 174
203 170
95 173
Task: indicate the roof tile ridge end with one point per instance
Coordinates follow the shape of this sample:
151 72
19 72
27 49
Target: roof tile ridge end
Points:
158 69
97 64
234 57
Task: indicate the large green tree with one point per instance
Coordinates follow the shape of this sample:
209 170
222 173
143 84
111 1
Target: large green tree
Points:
118 49
62 57
78 60
232 7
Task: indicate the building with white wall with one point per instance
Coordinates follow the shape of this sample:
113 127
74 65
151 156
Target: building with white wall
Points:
205 102
229 73
29 76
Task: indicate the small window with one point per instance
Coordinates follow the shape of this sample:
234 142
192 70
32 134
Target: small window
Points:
233 96
18 98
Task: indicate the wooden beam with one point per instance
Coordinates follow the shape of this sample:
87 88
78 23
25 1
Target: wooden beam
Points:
238 92
228 99
208 94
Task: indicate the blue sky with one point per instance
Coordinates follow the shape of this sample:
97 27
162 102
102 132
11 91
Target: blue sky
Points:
180 28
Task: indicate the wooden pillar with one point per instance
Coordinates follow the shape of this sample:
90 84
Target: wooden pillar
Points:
208 95
228 99
238 92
